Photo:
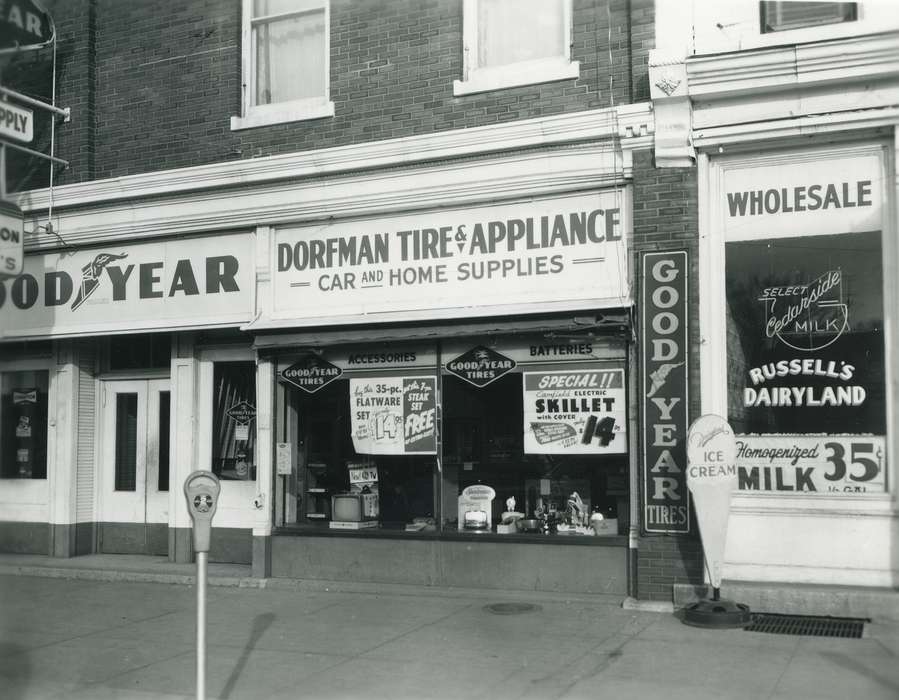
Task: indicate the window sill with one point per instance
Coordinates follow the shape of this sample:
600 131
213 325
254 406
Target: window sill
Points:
282 115
515 76
304 530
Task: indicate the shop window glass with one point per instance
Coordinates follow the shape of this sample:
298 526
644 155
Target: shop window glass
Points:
126 442
23 424
234 420
388 491
164 427
484 445
143 351
806 362
782 16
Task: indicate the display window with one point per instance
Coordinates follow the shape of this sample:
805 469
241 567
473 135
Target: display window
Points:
23 424
463 439
806 365
234 420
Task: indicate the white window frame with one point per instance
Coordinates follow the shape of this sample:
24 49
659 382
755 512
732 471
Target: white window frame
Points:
476 79
254 115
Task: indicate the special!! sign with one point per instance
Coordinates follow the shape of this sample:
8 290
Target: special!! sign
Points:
575 411
394 415
664 380
173 284
570 252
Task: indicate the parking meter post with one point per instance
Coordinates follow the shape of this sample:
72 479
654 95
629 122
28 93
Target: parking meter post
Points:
201 625
201 489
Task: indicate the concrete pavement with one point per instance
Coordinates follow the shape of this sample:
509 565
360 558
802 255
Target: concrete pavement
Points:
89 639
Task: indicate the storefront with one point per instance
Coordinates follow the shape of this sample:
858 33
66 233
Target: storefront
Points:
456 409
110 364
799 301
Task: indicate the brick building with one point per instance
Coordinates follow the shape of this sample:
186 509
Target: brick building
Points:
383 267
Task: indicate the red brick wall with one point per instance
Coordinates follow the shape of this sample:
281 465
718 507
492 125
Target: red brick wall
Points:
153 85
665 218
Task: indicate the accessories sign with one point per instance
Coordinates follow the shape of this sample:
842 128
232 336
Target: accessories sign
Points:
664 380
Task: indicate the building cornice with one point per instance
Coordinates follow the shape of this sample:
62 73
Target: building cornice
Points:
869 58
544 156
586 126
472 180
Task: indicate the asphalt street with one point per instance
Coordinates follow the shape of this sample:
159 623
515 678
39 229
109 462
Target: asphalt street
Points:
62 638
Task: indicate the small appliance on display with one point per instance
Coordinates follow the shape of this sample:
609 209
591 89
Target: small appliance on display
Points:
353 511
359 507
476 508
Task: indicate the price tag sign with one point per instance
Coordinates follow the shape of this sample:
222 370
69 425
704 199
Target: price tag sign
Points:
363 475
284 458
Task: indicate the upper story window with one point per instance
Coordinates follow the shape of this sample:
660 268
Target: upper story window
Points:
781 16
285 53
508 43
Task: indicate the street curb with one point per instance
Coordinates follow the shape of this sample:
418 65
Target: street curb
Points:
656 606
127 576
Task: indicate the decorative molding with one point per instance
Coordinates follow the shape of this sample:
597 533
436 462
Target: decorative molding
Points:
591 125
674 113
800 126
501 176
870 57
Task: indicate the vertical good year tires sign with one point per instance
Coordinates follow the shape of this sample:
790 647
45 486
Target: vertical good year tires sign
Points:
663 361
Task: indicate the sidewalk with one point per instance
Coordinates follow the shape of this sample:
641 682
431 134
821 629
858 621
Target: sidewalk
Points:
98 640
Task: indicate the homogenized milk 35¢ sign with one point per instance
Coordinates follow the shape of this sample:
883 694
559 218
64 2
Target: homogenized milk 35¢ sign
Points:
570 252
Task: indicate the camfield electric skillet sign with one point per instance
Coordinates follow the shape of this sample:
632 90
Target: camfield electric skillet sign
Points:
181 283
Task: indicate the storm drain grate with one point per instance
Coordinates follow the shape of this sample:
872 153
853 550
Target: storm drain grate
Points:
511 608
807 625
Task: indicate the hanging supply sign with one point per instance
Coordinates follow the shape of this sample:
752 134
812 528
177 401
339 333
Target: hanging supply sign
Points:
16 122
576 411
394 415
564 253
712 478
664 381
12 239
24 24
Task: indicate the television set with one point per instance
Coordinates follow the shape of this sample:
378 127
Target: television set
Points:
354 507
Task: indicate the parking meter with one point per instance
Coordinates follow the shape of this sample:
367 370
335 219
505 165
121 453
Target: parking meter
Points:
202 491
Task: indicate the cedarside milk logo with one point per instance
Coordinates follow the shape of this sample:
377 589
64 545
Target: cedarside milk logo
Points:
807 316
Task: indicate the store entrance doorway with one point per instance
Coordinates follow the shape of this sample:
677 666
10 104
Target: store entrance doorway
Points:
134 466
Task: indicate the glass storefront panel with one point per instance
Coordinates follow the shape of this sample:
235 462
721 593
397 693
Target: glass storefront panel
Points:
525 446
234 421
806 362
23 424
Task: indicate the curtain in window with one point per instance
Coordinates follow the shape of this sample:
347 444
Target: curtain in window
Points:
290 59
510 31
